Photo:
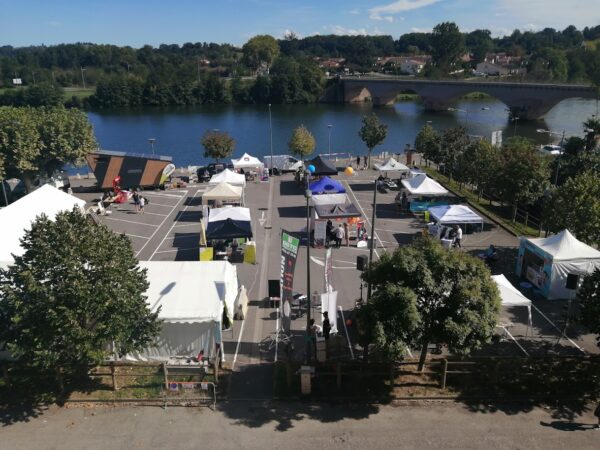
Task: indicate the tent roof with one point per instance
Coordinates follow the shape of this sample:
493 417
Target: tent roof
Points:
230 177
188 291
337 211
423 185
235 213
509 294
564 247
322 166
246 161
454 214
223 191
329 199
391 165
326 185
18 216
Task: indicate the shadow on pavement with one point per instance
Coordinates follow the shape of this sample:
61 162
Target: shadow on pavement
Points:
569 426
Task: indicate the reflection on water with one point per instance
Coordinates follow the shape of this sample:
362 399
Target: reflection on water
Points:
178 130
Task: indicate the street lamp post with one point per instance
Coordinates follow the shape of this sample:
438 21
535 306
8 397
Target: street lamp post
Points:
271 138
82 77
152 141
515 119
308 195
329 127
372 237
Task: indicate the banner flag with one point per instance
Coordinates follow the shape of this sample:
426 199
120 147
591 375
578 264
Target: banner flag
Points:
289 254
328 271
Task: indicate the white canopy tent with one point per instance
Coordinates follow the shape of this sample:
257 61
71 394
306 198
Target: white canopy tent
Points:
391 165
224 192
329 199
561 254
233 213
192 296
247 162
511 296
454 214
17 217
422 185
228 176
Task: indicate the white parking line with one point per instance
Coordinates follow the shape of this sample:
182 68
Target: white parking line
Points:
128 221
174 250
136 236
171 229
194 235
158 194
179 225
145 212
367 219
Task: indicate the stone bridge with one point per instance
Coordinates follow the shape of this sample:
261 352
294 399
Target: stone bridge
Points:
525 100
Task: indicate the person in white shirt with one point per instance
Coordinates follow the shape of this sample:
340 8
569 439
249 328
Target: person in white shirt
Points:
339 235
458 238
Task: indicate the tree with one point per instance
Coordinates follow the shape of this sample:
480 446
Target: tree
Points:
454 142
576 206
75 291
447 45
372 132
522 175
261 49
478 165
451 298
589 301
302 143
217 144
427 143
40 141
479 42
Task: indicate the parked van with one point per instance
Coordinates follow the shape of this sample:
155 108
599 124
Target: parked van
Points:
282 163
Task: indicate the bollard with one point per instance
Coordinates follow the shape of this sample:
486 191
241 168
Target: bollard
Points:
113 376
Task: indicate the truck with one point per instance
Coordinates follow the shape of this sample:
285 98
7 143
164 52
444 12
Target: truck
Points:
282 164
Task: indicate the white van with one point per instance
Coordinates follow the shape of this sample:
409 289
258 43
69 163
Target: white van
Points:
282 163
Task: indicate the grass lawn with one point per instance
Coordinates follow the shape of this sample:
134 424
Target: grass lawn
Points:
78 92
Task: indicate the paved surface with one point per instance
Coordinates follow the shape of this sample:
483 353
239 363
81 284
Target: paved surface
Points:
300 426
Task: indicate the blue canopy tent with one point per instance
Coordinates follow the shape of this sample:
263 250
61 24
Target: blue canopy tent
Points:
326 185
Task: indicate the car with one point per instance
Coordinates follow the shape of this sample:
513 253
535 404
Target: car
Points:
553 150
203 174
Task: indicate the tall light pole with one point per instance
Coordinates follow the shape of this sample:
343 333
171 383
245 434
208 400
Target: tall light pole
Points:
308 195
271 138
329 127
562 141
515 119
82 77
372 236
152 141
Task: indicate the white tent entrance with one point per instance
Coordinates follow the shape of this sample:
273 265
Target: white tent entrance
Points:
224 193
511 296
248 162
228 176
391 165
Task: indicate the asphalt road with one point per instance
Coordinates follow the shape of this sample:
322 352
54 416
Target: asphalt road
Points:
300 426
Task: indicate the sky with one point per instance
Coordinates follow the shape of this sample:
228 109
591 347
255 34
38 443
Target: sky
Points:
140 22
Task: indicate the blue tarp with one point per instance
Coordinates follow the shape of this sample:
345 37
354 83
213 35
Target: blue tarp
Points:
326 185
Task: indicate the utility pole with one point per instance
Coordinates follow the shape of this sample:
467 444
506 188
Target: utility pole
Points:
82 77
515 118
309 343
271 139
372 237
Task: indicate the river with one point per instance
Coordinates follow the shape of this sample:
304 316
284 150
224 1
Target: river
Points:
178 130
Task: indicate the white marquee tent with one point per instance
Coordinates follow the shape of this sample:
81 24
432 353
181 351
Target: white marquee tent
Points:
511 296
228 176
224 192
562 254
329 199
191 296
247 162
454 214
422 185
391 165
17 217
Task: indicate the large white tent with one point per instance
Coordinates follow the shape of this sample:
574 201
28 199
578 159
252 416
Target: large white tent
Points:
454 214
511 296
17 217
247 162
422 185
228 176
224 192
329 199
547 262
391 165
192 296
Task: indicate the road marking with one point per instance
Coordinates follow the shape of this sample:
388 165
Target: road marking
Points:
157 194
237 347
346 331
145 212
558 329
187 236
135 236
376 237
128 221
171 229
181 225
322 263
174 250
159 227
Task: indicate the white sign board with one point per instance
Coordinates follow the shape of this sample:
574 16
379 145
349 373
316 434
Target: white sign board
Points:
17 81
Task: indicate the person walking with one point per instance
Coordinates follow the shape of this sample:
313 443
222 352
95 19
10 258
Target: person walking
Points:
365 162
329 232
142 203
326 325
358 162
136 200
458 237
339 235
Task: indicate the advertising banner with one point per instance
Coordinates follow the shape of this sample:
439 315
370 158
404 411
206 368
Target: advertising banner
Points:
289 254
328 271
320 233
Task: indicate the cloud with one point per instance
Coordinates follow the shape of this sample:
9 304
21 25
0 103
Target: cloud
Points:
420 30
54 23
354 12
551 13
386 12
343 31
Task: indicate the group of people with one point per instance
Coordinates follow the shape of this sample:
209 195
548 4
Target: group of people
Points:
365 162
139 201
336 234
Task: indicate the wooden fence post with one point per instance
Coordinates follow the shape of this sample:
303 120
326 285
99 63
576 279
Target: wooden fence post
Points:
165 374
526 217
444 373
338 368
113 376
